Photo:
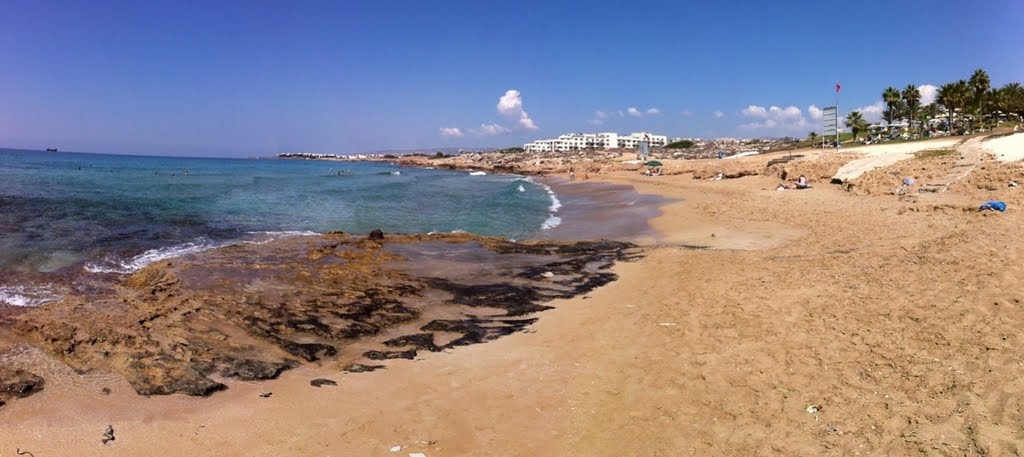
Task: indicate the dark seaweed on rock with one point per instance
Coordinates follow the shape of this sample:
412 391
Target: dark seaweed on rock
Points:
18 383
388 355
516 300
477 330
360 368
420 341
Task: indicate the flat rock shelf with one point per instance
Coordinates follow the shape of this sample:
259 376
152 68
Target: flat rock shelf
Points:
251 311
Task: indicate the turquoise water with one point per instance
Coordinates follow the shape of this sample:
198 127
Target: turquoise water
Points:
114 213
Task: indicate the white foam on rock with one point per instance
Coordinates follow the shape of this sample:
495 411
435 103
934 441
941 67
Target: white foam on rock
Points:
114 265
27 296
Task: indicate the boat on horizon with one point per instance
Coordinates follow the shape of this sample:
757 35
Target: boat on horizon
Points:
51 149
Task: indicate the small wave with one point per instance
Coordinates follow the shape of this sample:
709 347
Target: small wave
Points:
521 188
281 233
552 222
477 173
112 265
555 202
27 296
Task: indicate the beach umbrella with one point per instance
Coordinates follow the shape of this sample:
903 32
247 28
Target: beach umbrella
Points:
653 163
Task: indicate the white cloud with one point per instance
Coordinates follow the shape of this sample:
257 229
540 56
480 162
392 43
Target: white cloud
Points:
718 114
453 132
686 113
928 93
510 105
775 119
755 111
492 129
815 112
599 118
634 112
653 111
871 113
789 113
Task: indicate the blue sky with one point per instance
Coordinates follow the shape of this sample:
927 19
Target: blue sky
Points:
254 78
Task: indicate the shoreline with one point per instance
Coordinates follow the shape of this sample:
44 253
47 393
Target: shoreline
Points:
824 297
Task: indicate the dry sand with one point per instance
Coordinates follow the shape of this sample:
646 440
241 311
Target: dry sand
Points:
1008 148
898 319
883 155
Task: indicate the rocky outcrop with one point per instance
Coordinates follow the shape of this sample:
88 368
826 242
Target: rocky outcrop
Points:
18 383
251 312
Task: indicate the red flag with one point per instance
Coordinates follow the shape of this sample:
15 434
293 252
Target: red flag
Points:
837 87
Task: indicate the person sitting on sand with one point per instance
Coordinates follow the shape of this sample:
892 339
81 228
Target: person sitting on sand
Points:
800 183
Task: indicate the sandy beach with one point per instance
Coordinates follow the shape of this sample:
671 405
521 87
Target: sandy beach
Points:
757 322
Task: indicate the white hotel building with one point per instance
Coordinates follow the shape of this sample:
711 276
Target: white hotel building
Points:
605 140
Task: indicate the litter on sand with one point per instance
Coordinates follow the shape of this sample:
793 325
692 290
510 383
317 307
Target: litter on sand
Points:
993 205
396 448
418 454
813 409
108 435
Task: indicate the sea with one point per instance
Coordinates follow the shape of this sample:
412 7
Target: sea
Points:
67 214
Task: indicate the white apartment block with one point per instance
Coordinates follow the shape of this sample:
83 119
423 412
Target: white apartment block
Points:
604 140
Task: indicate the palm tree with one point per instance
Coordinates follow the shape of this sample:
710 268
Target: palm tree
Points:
953 96
1014 93
812 136
912 99
856 123
963 96
979 84
945 97
929 112
891 97
995 102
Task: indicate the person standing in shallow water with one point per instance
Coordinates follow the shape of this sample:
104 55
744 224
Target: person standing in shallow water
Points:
572 174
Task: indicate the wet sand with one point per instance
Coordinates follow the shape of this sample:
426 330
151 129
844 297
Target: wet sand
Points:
596 209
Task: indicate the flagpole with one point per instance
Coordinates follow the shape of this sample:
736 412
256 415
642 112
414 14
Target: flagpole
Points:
837 115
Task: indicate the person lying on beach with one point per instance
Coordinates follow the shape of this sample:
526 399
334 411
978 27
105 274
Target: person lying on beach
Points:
800 183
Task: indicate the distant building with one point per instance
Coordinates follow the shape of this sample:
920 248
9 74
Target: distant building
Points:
604 140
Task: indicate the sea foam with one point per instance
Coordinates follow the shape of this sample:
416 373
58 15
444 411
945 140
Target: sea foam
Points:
114 265
120 266
27 296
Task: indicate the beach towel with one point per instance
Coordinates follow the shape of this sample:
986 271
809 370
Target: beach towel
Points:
994 205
